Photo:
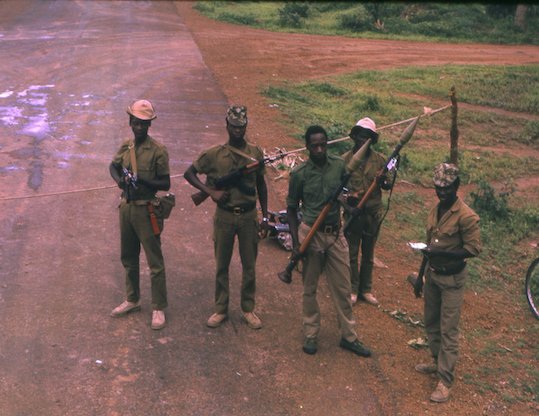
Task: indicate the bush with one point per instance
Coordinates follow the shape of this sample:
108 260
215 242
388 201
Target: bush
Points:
490 206
242 19
292 14
360 20
530 134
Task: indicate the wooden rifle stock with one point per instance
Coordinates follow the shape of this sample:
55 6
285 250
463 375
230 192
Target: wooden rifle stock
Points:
286 275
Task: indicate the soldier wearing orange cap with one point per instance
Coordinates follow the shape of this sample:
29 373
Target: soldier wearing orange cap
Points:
363 231
141 168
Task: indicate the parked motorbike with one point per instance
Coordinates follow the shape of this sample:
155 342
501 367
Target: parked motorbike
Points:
279 229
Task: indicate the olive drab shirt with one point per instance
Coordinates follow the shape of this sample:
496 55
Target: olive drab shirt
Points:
152 162
313 186
458 228
219 161
362 178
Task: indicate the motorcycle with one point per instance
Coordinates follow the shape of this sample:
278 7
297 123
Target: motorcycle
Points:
279 229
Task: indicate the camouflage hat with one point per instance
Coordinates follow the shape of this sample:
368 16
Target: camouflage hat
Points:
445 174
236 115
142 109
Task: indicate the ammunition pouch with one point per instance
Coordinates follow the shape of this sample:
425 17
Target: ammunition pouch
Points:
162 205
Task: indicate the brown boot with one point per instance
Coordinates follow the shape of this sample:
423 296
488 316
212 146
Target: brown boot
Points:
216 320
252 320
440 394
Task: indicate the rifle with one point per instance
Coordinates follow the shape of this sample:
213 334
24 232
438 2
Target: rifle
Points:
390 164
417 282
234 177
130 180
286 275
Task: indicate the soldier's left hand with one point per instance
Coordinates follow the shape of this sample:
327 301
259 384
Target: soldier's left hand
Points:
263 228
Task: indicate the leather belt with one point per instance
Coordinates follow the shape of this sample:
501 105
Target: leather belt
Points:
238 210
448 270
137 201
328 229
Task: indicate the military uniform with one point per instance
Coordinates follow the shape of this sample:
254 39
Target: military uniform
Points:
328 251
363 231
135 226
444 282
236 216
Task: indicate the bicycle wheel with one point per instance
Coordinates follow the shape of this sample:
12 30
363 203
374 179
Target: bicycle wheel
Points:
532 287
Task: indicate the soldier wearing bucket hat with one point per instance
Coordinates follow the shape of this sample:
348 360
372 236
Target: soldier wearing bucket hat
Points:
363 231
453 235
141 168
235 213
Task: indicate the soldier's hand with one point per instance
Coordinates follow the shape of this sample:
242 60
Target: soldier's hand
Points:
263 228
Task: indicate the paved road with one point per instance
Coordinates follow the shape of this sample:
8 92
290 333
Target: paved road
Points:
67 72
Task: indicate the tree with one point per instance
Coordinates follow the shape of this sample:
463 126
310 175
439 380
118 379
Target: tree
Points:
521 14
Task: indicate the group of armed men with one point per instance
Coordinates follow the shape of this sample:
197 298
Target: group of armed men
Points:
141 168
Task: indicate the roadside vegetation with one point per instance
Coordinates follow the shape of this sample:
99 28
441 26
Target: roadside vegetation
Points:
455 22
393 95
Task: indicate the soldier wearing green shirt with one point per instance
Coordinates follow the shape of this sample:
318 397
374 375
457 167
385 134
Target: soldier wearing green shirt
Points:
311 184
363 231
146 163
453 235
235 214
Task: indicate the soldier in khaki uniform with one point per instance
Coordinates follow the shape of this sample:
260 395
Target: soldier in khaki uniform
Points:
453 235
311 184
235 214
363 231
141 168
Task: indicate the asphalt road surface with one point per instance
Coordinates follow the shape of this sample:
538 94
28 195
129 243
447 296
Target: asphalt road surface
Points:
68 70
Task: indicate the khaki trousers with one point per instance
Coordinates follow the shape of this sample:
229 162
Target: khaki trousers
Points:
443 301
327 253
136 229
226 226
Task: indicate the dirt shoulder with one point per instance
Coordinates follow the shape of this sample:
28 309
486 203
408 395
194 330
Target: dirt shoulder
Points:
244 61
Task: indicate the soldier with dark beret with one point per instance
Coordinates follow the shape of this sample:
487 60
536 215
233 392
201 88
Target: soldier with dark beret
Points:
453 235
235 213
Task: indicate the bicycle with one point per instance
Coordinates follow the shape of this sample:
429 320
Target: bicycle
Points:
532 287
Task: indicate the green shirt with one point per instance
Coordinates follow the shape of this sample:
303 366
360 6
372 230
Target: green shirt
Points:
458 228
363 176
313 186
219 161
152 162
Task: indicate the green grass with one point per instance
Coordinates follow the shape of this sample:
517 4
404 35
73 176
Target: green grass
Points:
455 22
388 96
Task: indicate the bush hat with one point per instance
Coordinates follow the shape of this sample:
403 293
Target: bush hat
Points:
236 115
142 109
366 124
445 174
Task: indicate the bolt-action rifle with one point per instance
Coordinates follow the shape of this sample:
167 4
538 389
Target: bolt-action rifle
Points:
389 165
286 275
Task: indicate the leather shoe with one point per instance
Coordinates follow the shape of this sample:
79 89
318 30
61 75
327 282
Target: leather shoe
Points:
124 308
356 347
252 320
216 320
310 345
370 299
425 368
440 394
158 319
